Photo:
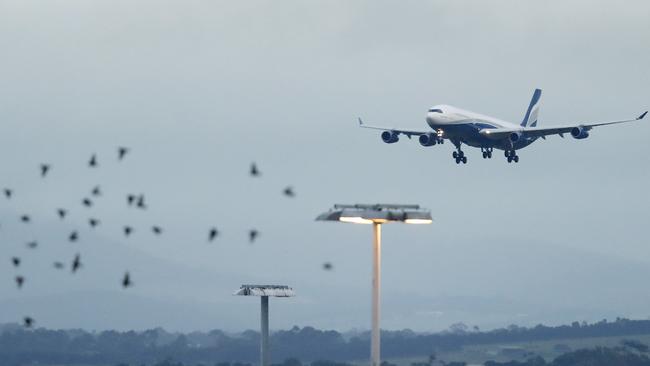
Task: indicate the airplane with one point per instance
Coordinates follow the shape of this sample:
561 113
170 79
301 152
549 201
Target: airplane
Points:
488 133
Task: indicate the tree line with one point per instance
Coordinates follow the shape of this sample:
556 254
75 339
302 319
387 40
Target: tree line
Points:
19 346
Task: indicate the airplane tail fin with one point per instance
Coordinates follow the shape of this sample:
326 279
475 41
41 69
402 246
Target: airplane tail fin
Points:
530 119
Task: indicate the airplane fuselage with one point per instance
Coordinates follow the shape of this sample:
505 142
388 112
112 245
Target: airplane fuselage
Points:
462 126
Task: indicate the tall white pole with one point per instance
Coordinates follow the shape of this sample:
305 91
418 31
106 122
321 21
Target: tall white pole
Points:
376 283
264 346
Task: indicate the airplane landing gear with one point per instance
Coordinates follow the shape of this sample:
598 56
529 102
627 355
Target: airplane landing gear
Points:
459 155
487 152
511 155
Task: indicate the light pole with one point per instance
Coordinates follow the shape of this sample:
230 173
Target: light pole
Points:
376 214
264 291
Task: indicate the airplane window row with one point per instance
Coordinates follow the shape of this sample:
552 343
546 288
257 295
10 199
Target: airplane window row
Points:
435 110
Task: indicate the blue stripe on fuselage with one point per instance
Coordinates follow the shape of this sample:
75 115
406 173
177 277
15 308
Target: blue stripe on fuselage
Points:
468 133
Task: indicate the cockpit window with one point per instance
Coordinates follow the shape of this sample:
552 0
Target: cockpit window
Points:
435 110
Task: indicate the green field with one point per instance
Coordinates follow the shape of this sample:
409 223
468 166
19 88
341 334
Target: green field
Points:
478 354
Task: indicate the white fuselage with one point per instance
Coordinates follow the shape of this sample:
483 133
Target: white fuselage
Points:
462 126
451 115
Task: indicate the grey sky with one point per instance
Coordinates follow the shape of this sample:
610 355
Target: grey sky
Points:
199 89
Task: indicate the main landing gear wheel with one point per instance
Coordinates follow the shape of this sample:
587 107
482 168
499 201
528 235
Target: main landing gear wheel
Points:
459 156
511 155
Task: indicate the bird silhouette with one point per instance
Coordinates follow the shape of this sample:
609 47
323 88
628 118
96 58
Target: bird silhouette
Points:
96 191
87 202
20 280
289 192
130 199
8 192
121 152
61 212
156 230
28 322
252 235
93 222
126 280
58 265
140 203
15 261
32 244
74 236
76 263
254 171
25 218
93 161
127 230
213 234
44 169
328 266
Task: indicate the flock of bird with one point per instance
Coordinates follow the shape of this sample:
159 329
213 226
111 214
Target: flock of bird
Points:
137 201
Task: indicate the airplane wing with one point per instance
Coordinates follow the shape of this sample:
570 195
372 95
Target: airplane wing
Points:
499 133
408 133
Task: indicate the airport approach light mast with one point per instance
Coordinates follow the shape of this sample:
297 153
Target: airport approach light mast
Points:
376 214
264 292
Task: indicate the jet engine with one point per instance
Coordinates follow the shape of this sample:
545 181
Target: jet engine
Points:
390 137
579 133
514 137
428 139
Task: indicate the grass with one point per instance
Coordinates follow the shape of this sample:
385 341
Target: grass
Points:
478 354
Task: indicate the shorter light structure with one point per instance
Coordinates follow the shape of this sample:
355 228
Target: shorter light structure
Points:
264 291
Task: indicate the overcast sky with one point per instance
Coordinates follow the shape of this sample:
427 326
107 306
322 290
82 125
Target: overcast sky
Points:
199 89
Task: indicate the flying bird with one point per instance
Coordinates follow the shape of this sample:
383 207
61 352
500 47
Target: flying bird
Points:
28 322
93 161
127 231
126 280
289 192
58 265
73 236
76 263
254 171
15 261
61 212
130 199
213 234
44 169
121 152
156 230
87 202
32 245
252 235
93 222
140 203
25 218
96 191
20 280
328 266
8 192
